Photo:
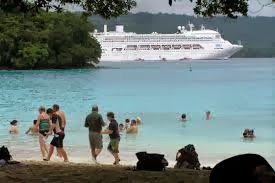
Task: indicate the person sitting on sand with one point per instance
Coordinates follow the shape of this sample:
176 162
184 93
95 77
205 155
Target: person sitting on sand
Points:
183 117
208 115
133 128
13 127
32 130
127 124
113 133
187 157
248 133
138 120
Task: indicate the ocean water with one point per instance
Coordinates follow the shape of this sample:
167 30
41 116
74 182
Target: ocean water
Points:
239 92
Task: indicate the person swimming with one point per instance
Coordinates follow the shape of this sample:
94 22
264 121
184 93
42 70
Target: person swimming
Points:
208 115
133 128
32 130
13 127
121 127
138 120
183 117
248 133
127 124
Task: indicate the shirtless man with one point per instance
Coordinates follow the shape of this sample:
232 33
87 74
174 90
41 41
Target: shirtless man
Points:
56 110
61 114
133 128
58 138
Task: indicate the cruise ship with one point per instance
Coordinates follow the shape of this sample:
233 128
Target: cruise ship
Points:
184 44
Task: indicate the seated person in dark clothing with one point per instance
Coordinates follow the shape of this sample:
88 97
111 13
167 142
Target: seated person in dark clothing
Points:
187 157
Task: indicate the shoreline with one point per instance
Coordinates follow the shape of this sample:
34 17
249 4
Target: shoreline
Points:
87 66
34 171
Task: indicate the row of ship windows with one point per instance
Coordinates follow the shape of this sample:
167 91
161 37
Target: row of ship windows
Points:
159 47
173 37
147 40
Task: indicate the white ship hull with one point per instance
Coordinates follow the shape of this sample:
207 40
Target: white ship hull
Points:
175 55
120 46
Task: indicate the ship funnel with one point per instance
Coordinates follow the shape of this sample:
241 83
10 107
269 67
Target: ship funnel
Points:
105 28
119 28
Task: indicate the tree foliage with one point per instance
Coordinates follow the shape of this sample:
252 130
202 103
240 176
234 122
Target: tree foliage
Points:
210 8
47 40
104 8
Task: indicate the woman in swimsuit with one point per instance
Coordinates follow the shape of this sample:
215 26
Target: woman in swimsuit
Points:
43 124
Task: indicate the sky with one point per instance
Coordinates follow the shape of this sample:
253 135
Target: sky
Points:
186 7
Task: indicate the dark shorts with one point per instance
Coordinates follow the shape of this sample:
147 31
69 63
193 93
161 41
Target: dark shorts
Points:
114 145
43 132
95 140
57 140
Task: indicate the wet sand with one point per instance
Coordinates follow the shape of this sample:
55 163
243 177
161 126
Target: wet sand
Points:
33 171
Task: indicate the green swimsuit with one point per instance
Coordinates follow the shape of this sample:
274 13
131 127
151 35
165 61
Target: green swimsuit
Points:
44 127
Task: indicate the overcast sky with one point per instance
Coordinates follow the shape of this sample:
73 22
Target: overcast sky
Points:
185 7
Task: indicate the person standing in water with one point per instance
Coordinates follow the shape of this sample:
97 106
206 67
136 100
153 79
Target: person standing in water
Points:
94 122
43 125
133 128
56 110
113 132
208 115
13 127
59 136
32 130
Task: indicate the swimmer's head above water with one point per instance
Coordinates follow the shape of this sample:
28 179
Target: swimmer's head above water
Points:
183 117
14 122
248 133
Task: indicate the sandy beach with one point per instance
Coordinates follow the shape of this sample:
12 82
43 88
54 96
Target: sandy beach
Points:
34 171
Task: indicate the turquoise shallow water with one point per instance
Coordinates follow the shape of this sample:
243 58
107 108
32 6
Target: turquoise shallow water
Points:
239 92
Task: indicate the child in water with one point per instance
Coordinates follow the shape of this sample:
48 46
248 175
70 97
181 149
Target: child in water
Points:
127 124
13 127
32 130
121 127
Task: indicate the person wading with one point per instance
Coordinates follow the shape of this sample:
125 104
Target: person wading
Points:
43 125
58 138
94 122
113 133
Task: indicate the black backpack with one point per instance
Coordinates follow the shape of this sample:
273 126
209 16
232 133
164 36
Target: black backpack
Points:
151 162
5 154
